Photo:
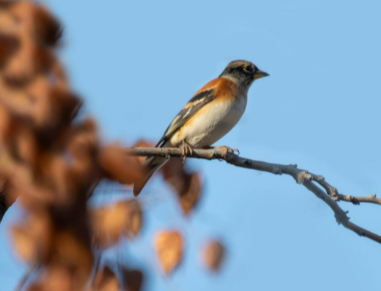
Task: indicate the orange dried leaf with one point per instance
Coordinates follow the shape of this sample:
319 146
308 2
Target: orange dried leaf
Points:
190 198
106 280
121 218
55 278
142 144
24 244
213 255
134 217
118 166
187 186
169 246
33 239
173 170
108 224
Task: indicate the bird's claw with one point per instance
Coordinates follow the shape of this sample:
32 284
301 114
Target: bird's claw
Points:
236 151
227 149
186 149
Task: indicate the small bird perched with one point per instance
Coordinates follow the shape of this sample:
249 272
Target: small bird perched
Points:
210 114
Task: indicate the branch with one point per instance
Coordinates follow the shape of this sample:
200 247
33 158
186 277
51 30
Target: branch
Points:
357 199
311 181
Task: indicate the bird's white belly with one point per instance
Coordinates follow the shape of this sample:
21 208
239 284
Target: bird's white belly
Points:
216 121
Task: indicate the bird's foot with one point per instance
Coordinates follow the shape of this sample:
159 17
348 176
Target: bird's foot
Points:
186 149
225 149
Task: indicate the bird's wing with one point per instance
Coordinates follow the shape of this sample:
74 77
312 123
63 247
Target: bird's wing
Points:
190 109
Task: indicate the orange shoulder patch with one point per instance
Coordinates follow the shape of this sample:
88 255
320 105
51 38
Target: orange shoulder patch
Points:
226 88
220 84
221 88
211 85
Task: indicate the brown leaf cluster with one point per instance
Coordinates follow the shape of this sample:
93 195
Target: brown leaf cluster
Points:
48 160
29 32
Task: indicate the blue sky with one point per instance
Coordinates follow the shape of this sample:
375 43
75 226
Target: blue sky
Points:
137 63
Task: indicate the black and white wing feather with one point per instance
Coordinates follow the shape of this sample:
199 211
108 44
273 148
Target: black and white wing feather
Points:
190 109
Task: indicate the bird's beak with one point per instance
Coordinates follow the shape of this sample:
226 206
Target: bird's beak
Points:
260 74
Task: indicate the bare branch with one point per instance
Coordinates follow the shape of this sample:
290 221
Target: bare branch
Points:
311 181
358 199
333 192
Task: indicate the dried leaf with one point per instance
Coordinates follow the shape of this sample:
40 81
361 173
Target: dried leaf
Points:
47 29
118 166
35 29
188 186
134 219
213 255
24 243
60 279
54 278
174 170
106 280
121 218
107 226
169 247
73 251
33 239
190 198
63 105
82 139
9 44
143 144
25 146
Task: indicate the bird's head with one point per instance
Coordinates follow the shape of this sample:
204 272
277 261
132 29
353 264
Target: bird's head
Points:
243 72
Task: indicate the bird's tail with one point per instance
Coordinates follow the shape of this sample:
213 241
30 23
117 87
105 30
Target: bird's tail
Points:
150 166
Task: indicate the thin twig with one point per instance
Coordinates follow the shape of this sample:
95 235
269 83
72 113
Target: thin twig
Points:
358 199
330 195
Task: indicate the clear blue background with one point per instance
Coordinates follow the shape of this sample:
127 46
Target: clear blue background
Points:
137 63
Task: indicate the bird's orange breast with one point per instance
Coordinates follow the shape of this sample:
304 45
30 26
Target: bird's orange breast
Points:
216 118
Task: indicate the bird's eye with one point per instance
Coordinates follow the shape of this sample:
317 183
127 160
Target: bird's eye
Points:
249 69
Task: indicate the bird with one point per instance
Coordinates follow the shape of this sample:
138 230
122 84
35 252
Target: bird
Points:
210 114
